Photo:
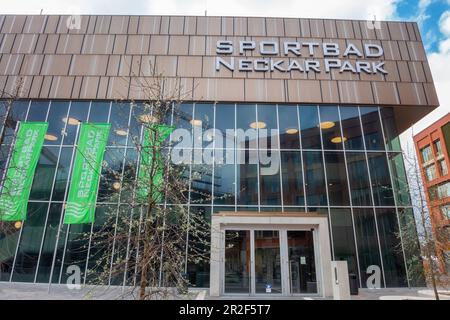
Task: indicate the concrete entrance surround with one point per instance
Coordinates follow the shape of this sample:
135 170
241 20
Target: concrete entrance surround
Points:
265 220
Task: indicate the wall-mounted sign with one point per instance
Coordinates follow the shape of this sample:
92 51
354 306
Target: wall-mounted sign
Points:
367 57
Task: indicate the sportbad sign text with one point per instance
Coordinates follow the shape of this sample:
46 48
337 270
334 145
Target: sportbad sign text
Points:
330 52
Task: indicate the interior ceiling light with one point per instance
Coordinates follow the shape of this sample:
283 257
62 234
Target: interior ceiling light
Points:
338 139
50 137
18 224
116 185
71 121
258 125
121 132
291 131
327 124
196 122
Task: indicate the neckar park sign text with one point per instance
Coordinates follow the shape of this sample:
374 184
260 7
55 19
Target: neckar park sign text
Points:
367 58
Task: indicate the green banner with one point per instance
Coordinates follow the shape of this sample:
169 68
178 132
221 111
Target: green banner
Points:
19 176
80 207
151 162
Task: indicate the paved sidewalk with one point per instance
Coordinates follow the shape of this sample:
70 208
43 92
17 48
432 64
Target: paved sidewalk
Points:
27 291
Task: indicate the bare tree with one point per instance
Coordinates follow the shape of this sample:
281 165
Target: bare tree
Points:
423 244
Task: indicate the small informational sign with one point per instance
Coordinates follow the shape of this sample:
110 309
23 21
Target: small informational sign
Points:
302 260
268 288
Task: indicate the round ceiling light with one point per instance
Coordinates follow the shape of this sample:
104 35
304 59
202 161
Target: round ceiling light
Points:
338 139
18 224
116 185
196 122
258 125
50 137
147 118
121 132
327 124
291 131
71 121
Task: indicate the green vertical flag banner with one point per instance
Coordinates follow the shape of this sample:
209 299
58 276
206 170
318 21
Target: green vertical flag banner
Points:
19 176
151 160
80 207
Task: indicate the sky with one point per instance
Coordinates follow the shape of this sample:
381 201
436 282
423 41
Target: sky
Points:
433 17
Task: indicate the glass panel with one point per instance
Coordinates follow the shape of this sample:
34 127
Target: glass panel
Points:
120 113
373 134
246 120
9 236
183 120
390 129
30 242
267 128
331 128
399 177
247 179
201 184
337 179
224 121
224 184
314 178
351 128
78 112
57 114
38 111
343 238
381 182
44 174
62 174
302 267
269 180
366 238
289 130
267 262
99 111
199 250
204 120
309 125
48 247
237 261
359 179
291 167
391 248
110 179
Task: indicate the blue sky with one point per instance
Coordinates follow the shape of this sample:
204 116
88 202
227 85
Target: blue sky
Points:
427 14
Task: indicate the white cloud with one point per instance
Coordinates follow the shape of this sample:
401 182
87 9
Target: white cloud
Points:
382 9
444 23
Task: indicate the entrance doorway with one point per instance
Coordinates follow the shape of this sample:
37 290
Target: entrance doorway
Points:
269 262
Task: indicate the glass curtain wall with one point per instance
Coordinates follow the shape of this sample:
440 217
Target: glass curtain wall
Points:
341 161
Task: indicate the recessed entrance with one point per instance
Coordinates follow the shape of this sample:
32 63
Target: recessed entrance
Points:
269 262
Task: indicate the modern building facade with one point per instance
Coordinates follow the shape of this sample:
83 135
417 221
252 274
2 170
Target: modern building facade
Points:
335 93
432 146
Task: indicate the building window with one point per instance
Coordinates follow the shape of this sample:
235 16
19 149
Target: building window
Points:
426 153
430 172
443 167
437 147
440 191
445 210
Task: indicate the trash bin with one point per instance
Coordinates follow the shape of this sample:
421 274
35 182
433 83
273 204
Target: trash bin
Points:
353 284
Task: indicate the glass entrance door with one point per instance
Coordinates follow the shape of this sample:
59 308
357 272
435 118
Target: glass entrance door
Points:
302 269
269 262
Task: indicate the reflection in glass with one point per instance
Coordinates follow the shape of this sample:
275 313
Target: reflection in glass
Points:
204 117
269 180
302 266
331 134
391 248
224 121
267 262
62 174
309 124
359 179
267 119
237 261
366 237
224 184
201 184
343 238
291 166
99 111
38 111
400 181
390 129
336 179
373 135
245 119
351 128
289 129
119 124
381 182
247 179
316 194
18 113
58 111
44 174
78 113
